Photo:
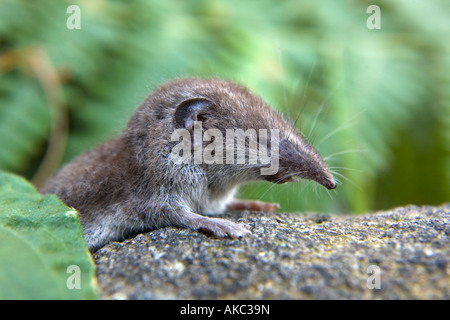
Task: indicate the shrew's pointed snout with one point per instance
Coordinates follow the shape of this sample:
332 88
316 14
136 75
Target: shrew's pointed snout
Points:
330 184
302 158
325 179
321 174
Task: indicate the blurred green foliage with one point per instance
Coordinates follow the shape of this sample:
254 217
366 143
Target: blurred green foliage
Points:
375 103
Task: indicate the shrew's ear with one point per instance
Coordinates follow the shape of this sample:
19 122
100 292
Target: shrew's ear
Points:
189 110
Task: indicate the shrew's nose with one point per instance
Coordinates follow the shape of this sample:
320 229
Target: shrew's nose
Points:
330 184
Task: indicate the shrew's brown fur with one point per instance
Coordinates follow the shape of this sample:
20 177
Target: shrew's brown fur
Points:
129 184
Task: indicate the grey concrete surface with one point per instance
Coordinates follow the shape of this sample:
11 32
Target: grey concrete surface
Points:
403 253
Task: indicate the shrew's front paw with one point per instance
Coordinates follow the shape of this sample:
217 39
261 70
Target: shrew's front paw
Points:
220 228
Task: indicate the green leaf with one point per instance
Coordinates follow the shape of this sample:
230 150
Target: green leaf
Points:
40 239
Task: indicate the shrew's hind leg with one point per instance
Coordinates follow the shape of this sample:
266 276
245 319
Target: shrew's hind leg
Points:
240 205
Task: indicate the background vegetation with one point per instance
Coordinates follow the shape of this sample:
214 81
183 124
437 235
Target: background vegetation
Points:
376 103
